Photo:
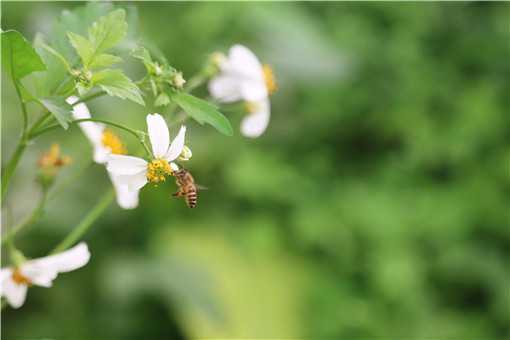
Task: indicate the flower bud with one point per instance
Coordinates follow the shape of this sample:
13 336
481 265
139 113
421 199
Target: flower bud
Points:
214 63
50 164
177 80
185 154
157 69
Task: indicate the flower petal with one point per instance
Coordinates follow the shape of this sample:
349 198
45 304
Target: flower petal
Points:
158 134
93 131
125 165
177 145
225 88
126 199
14 293
5 273
101 154
254 124
253 90
43 278
133 182
69 260
243 61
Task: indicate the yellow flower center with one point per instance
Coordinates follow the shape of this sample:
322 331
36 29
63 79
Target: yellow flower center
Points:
158 170
113 142
20 279
269 79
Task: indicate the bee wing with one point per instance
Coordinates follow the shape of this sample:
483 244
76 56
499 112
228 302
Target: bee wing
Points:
201 187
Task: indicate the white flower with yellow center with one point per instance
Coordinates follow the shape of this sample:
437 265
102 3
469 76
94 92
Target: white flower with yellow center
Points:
14 281
243 77
105 143
135 172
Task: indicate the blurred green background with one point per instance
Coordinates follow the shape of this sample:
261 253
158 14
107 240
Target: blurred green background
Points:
374 206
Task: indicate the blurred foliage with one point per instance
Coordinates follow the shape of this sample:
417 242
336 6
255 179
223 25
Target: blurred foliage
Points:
375 205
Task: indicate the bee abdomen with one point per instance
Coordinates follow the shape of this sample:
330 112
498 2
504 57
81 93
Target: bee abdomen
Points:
191 199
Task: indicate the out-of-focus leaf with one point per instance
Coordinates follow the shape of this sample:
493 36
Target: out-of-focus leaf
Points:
203 112
103 34
83 47
104 60
18 56
59 108
117 84
56 76
143 54
76 21
162 100
108 30
56 54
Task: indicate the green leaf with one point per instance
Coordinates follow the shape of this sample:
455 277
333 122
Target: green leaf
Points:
26 95
83 47
56 54
45 84
203 112
76 20
59 108
104 60
108 30
141 53
18 56
103 34
162 100
117 84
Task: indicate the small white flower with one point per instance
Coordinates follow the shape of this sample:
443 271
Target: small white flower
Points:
243 77
105 143
135 172
14 282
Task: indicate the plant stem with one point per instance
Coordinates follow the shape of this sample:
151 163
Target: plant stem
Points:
11 166
36 213
120 126
86 222
195 82
89 97
138 134
22 144
42 119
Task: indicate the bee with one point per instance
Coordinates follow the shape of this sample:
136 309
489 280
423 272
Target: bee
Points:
187 187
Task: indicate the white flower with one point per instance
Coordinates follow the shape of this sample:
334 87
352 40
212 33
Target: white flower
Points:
105 143
243 77
135 172
14 282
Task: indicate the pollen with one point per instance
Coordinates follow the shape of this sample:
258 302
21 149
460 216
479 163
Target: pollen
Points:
158 170
20 279
113 142
269 79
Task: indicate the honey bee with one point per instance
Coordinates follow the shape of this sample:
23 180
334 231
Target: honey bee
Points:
187 187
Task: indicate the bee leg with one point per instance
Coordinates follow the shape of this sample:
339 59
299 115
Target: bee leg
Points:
178 193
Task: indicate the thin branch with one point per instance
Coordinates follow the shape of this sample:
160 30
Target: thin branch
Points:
86 222
34 216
